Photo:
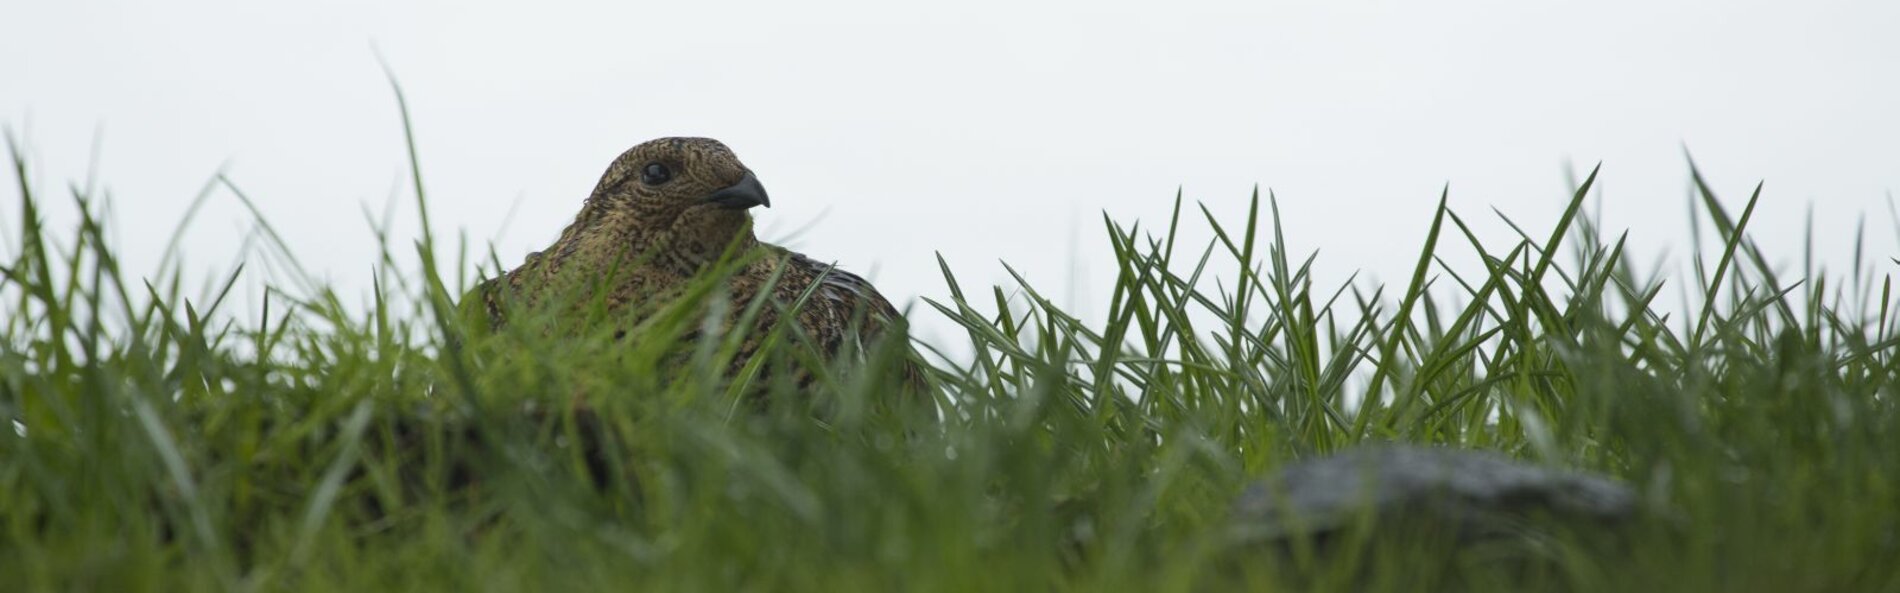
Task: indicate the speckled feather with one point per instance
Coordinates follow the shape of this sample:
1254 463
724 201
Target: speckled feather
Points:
646 241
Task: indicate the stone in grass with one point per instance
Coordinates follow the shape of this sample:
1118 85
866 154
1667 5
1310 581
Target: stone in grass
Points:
1470 494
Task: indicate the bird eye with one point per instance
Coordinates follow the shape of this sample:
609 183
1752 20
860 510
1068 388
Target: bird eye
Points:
655 174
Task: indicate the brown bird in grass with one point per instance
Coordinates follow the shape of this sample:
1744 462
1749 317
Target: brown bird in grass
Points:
667 211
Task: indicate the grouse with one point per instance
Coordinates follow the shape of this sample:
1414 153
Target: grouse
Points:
667 211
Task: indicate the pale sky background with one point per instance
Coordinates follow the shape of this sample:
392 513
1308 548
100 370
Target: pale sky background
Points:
983 130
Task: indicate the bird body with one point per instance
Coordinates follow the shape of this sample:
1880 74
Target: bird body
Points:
665 213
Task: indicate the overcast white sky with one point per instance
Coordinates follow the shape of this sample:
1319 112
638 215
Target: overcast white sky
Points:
982 130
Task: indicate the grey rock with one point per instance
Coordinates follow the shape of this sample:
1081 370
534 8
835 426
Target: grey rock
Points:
1473 493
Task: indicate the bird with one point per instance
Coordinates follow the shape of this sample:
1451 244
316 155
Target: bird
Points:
666 212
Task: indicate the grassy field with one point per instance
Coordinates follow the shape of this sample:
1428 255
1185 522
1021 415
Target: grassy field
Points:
165 443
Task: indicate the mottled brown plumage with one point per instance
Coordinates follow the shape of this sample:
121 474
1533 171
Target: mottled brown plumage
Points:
665 212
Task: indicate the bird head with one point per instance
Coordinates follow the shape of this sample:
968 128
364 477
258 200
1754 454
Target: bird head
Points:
694 189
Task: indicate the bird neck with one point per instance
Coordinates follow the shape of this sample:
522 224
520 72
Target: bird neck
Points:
683 242
701 239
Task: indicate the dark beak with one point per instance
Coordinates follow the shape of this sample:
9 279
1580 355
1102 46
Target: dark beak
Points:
744 194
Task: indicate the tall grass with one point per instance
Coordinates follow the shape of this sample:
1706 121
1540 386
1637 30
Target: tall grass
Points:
161 442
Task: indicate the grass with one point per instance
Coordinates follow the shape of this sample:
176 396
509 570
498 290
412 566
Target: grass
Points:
162 443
